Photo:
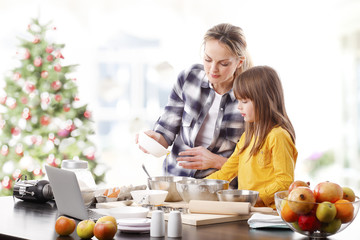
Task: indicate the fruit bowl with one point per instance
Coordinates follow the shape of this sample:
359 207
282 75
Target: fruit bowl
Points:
318 222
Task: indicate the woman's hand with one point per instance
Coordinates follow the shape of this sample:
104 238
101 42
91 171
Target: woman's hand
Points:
154 135
200 158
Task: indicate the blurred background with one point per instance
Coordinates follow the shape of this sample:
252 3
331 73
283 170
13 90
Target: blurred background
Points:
130 52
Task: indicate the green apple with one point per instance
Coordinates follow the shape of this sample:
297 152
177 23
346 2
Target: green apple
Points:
331 227
348 194
326 212
85 229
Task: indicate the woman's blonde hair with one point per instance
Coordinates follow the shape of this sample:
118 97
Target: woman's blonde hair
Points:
263 87
234 39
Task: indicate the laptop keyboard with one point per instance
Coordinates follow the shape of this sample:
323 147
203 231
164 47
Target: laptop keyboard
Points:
94 215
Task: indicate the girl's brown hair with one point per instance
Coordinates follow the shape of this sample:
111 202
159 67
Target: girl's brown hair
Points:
234 39
263 87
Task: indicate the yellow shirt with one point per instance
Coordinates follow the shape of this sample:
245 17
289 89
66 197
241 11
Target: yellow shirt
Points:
269 171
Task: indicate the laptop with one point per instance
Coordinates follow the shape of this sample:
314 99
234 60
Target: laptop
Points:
67 194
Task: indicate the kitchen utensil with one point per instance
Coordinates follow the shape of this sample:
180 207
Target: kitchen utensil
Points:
157 226
152 146
200 189
167 183
234 195
231 208
143 166
153 197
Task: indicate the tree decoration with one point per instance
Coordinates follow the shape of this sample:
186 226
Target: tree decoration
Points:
41 121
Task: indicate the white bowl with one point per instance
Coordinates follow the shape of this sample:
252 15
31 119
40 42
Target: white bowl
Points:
128 212
152 146
152 197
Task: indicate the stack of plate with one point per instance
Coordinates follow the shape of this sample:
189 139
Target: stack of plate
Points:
134 225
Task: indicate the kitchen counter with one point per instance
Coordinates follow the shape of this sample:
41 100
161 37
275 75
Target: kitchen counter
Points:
26 220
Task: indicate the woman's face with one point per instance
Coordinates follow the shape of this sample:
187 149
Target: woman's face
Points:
246 108
220 65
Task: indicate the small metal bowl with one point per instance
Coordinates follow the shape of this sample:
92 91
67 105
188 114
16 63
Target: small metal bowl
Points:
200 189
167 183
233 195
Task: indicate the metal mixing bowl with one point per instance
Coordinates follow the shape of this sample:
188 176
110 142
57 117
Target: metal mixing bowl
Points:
200 189
233 195
167 183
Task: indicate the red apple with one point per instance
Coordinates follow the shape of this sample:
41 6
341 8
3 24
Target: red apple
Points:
301 200
64 226
105 230
308 223
328 191
298 183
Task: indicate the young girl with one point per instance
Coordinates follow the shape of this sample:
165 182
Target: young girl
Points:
265 156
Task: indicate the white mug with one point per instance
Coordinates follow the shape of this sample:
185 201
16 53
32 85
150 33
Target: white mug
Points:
157 226
174 224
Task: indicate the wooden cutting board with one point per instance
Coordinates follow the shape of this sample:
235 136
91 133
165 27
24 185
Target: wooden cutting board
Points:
195 219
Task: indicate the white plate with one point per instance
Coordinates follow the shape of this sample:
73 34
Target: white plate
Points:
128 212
134 222
134 229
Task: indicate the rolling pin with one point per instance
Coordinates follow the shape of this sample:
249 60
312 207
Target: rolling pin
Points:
226 208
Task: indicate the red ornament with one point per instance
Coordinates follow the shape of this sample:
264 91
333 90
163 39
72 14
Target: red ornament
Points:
63 133
6 182
87 114
36 40
59 55
4 150
51 160
24 100
49 49
26 114
90 156
17 76
58 97
51 137
56 85
44 74
16 174
15 131
33 139
50 58
44 120
27 54
37 62
3 99
57 67
76 98
19 150
66 107
37 172
29 87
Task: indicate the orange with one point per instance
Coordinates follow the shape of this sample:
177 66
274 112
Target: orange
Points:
64 226
287 214
345 210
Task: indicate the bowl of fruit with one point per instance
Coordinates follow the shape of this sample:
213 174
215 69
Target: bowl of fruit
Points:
318 213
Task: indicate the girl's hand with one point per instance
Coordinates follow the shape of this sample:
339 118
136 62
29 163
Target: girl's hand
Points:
200 158
154 135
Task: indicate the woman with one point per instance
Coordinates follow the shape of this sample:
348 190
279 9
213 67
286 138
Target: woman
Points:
200 120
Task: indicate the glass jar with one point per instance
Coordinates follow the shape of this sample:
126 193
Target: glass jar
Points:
83 175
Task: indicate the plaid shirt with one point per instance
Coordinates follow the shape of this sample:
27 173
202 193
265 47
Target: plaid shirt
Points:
187 107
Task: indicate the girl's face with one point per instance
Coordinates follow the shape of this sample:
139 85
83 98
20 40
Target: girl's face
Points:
246 108
220 65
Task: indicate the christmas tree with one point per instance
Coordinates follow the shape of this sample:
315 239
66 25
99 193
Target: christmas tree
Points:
42 120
